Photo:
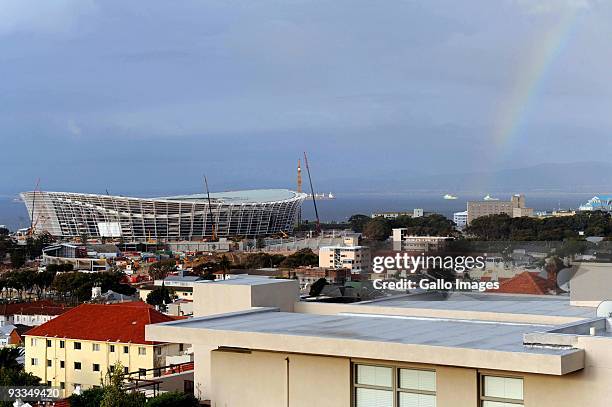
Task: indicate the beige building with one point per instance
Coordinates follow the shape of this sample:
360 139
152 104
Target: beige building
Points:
514 208
350 255
462 350
76 349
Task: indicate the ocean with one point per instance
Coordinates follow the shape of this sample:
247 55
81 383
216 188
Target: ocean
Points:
14 215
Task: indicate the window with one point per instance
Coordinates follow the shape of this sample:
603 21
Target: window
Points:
142 372
62 344
77 365
62 364
417 388
34 362
112 348
95 347
181 347
32 341
96 367
48 362
158 350
501 391
393 387
48 343
49 383
77 345
62 385
126 370
142 350
126 349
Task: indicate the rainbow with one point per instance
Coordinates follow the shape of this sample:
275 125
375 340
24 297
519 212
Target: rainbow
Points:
529 80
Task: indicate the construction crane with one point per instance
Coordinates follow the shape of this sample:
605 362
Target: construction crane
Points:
34 220
314 201
214 226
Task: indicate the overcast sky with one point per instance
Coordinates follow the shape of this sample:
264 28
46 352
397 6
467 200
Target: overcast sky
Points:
144 97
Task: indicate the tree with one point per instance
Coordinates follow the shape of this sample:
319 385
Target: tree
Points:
159 270
358 222
18 258
89 398
317 287
173 399
9 356
159 296
225 265
114 395
301 258
377 229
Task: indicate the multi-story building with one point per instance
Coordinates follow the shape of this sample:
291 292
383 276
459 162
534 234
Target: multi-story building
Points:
30 313
458 350
76 349
460 219
514 208
404 241
350 255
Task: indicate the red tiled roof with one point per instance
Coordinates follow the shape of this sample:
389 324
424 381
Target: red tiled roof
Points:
43 307
526 283
101 322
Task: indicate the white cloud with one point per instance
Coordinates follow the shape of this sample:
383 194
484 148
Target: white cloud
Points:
74 128
42 16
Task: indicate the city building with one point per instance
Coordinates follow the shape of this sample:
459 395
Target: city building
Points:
252 213
30 313
404 241
514 208
75 255
432 349
350 255
460 219
598 203
75 350
415 213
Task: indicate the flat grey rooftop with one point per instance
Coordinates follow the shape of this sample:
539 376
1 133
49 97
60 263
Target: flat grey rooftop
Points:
511 304
245 279
404 330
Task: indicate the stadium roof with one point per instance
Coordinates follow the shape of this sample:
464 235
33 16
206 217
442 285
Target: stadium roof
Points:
248 196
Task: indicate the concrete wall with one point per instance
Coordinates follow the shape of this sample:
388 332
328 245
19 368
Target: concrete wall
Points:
238 380
591 284
220 297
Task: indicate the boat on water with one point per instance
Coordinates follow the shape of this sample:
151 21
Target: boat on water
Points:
323 196
490 198
450 197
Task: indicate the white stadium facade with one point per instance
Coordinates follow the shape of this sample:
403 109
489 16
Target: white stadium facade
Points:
253 213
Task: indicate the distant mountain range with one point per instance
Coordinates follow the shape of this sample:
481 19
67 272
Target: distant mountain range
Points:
579 177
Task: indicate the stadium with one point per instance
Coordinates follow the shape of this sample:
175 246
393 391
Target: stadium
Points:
252 214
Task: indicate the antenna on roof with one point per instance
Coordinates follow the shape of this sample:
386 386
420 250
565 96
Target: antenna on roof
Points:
563 279
212 219
604 309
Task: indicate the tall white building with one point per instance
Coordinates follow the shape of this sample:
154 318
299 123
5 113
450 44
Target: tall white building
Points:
460 219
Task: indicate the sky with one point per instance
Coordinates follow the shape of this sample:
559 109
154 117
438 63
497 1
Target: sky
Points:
144 97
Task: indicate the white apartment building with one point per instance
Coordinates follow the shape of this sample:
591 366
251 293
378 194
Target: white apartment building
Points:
460 219
404 241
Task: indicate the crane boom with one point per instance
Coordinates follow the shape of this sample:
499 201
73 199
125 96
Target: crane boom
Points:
214 227
314 201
